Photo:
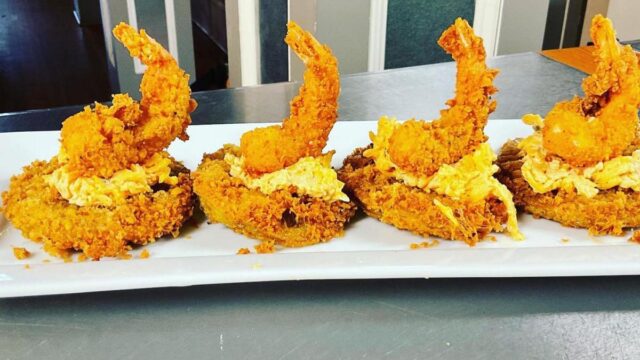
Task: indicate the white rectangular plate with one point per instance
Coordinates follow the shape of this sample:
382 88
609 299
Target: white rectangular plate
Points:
369 249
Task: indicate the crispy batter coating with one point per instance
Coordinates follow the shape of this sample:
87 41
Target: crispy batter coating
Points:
285 217
422 147
603 124
405 207
313 111
103 140
21 253
44 216
608 212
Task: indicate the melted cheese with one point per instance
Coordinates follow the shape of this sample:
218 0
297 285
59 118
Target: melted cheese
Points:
545 173
470 178
311 176
87 191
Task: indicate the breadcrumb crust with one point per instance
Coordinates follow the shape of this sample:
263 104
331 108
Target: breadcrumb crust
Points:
44 216
608 212
289 219
410 208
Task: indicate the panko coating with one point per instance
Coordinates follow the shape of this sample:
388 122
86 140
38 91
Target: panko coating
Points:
610 211
38 210
389 200
111 185
284 216
421 147
604 123
103 140
581 166
312 115
436 178
278 186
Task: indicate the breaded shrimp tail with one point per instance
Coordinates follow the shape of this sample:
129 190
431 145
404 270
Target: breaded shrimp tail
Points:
111 184
436 178
103 140
422 147
581 167
603 124
313 111
277 186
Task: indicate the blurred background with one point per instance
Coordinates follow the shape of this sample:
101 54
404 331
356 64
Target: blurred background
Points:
56 53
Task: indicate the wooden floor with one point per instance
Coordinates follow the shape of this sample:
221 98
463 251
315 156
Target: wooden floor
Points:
47 59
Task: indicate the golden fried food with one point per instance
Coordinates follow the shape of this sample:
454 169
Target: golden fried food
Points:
421 147
391 201
278 186
313 112
284 216
103 140
111 185
604 123
609 211
21 253
436 178
581 166
38 210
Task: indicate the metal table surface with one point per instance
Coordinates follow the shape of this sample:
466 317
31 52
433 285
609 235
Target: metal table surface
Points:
544 318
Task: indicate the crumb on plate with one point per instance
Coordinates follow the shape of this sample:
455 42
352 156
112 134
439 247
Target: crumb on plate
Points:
125 256
424 244
266 247
144 254
243 251
21 253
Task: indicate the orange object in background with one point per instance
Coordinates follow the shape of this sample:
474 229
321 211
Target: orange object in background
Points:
580 58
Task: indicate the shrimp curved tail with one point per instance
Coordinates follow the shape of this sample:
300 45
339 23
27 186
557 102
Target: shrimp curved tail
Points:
422 147
312 112
104 140
166 95
604 123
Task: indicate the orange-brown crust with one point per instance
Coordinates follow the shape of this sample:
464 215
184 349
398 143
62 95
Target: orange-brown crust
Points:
283 216
44 216
602 125
313 111
422 147
103 140
410 208
609 212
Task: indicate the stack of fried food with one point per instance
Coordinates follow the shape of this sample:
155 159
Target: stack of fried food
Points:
436 178
112 185
278 186
581 167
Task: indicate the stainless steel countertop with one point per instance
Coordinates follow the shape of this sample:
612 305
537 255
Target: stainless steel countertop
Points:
550 318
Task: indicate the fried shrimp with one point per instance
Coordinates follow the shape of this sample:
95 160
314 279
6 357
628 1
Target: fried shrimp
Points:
313 111
278 186
604 123
111 185
581 166
103 140
436 178
422 147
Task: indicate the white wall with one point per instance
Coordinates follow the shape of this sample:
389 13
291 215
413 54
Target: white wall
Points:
624 14
343 25
522 26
